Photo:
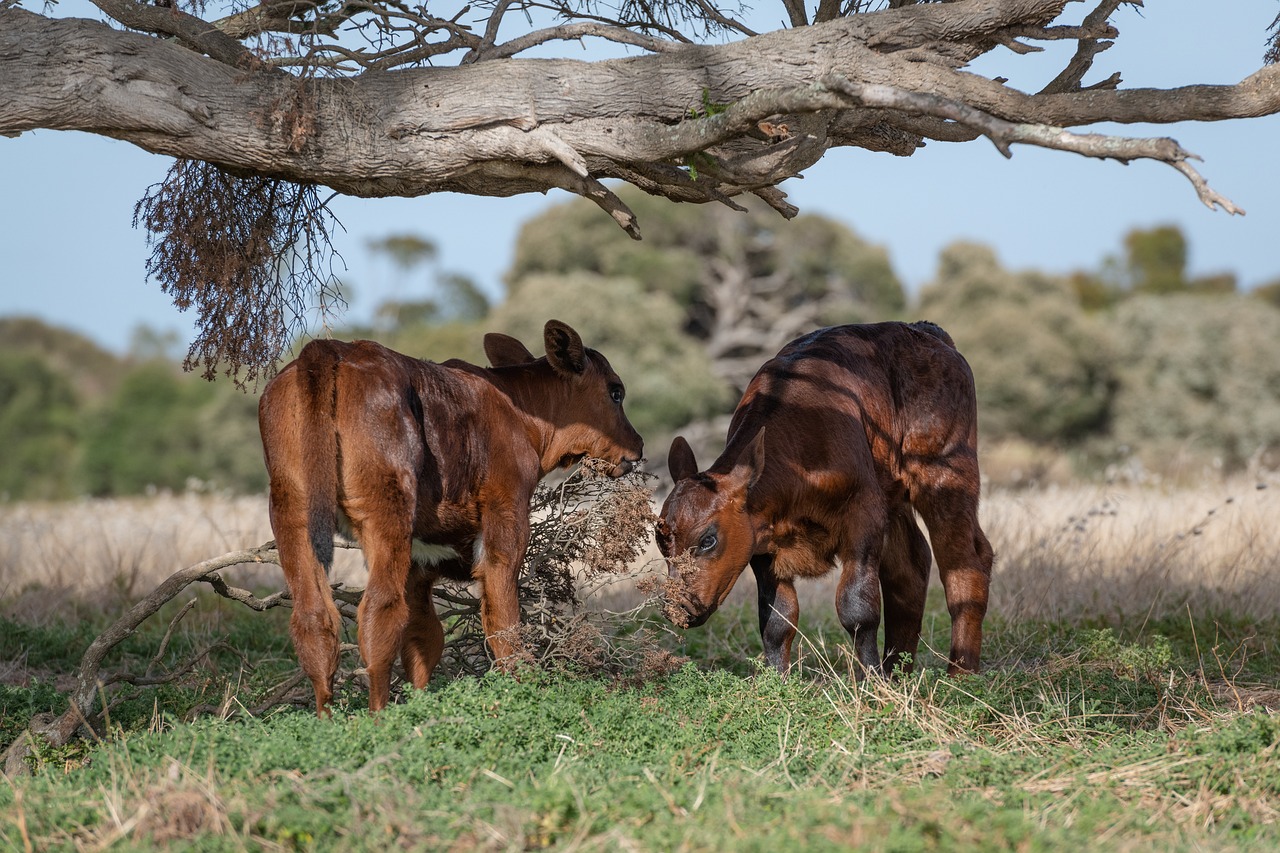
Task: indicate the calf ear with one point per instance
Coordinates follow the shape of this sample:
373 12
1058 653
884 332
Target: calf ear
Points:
504 350
680 461
750 464
564 348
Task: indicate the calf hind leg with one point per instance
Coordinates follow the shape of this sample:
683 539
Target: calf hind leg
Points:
858 592
315 625
964 563
383 613
904 581
423 639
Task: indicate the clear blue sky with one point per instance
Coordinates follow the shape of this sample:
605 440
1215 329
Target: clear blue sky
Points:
68 253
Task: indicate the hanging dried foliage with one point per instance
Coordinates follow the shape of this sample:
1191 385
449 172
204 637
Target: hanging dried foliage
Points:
252 255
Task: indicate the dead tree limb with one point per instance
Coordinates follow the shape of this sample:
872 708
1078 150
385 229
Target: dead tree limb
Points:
88 676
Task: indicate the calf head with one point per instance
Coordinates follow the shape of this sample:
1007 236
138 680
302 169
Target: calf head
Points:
706 531
577 393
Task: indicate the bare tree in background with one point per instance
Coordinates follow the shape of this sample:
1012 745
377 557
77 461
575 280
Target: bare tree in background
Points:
386 98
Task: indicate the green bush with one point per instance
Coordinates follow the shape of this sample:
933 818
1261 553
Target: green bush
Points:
162 429
575 237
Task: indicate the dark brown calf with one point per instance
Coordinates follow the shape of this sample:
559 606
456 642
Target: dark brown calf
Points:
431 468
835 440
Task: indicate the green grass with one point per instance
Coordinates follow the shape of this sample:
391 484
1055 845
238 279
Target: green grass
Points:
238 649
1119 736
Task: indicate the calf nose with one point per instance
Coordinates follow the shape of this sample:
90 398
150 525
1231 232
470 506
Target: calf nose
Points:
628 462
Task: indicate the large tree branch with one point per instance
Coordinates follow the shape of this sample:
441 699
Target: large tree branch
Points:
499 127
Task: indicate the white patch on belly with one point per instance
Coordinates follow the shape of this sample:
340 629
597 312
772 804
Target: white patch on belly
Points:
431 555
422 553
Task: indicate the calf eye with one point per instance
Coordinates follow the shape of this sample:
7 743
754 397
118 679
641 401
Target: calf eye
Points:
616 393
706 543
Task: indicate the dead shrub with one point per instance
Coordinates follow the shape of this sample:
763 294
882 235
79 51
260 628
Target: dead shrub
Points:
586 533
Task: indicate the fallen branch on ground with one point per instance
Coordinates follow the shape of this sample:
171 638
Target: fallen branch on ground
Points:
586 533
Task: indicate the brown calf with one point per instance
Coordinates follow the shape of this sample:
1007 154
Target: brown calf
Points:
835 440
431 468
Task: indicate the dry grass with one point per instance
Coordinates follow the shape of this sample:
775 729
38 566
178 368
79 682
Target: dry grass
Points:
1108 550
126 546
1060 552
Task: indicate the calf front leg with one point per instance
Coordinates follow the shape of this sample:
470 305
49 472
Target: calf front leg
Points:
779 611
498 570
500 616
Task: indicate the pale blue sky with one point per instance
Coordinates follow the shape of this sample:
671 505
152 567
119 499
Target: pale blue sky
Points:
70 255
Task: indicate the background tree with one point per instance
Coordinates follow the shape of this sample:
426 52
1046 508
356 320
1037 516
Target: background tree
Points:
1155 263
50 381
163 430
1174 381
92 371
1199 377
744 283
407 252
668 377
1156 260
448 296
1043 369
39 430
265 103
1269 292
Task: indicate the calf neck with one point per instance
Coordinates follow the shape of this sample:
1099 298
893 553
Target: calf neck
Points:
431 468
837 442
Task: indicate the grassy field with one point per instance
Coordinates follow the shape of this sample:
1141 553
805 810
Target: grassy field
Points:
1128 701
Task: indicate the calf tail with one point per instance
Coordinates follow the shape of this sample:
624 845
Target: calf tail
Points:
300 445
320 449
935 330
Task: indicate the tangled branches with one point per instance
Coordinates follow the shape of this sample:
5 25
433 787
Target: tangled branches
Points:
668 591
251 254
585 533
